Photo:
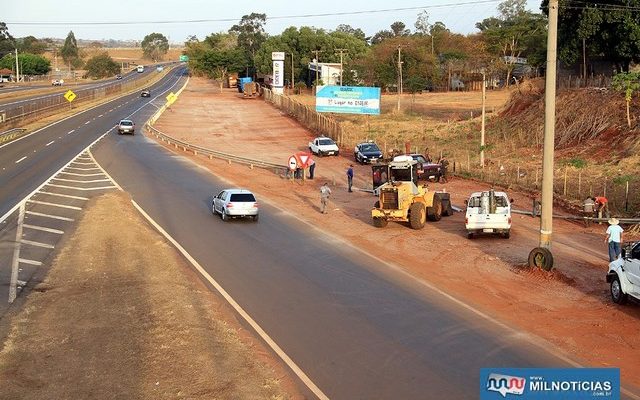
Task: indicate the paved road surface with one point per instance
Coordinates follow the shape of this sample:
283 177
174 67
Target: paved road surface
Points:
358 328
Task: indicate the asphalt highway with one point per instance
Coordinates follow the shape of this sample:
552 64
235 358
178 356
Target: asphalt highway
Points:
359 328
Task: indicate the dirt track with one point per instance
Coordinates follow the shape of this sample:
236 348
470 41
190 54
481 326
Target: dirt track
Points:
569 307
121 316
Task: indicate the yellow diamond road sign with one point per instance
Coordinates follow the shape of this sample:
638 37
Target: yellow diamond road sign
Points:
171 97
70 96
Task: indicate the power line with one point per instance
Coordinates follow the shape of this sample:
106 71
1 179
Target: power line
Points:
199 21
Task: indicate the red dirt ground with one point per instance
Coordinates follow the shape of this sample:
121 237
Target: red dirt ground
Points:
569 307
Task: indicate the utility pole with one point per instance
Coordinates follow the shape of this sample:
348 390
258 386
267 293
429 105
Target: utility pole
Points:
484 96
292 82
17 68
316 53
341 51
541 256
399 76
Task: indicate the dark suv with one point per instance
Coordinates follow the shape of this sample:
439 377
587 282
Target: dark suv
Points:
427 170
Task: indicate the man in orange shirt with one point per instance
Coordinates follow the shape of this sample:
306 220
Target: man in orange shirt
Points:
602 209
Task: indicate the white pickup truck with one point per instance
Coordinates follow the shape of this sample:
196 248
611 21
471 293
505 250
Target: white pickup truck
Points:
324 146
624 274
488 212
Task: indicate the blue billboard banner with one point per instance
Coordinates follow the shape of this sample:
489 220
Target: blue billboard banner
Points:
348 99
549 383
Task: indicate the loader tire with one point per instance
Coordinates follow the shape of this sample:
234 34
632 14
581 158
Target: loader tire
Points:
380 222
417 216
447 211
434 213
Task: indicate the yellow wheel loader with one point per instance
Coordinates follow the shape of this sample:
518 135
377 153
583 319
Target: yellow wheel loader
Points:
402 200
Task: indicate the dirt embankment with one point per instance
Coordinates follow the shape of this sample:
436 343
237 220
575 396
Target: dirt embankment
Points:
569 307
121 316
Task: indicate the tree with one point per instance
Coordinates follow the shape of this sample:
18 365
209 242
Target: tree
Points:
30 64
608 28
69 50
101 66
348 29
628 83
398 29
251 35
516 33
217 64
31 45
7 43
154 46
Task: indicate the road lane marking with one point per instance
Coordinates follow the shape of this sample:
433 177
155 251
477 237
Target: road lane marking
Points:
68 196
51 142
46 203
30 262
21 159
100 116
79 188
87 123
257 328
79 181
37 214
37 244
43 229
71 131
82 162
74 174
82 168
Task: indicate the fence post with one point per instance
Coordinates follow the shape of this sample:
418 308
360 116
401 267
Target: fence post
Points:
518 174
604 190
536 177
626 198
564 187
579 184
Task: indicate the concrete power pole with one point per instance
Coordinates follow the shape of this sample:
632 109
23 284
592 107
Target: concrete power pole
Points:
341 52
17 68
541 256
484 96
399 76
316 53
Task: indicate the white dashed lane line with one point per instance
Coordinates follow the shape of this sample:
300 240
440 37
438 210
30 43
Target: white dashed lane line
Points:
71 131
87 123
51 142
21 159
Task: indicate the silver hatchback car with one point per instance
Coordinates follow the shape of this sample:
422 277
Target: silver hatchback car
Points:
235 203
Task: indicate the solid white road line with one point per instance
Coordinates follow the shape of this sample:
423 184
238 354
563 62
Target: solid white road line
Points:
79 188
274 346
46 203
51 142
87 123
103 171
82 162
75 174
71 131
64 195
43 229
30 262
37 244
82 168
78 181
37 214
21 159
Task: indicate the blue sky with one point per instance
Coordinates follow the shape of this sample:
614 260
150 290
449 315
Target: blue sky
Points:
459 18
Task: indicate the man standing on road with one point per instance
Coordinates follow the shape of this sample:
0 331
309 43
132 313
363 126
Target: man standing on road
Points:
325 192
350 177
312 168
444 166
614 239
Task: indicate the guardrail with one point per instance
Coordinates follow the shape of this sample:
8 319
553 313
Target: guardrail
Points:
278 169
47 105
11 134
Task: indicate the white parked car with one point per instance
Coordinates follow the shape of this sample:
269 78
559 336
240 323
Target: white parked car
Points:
488 212
235 203
324 146
624 274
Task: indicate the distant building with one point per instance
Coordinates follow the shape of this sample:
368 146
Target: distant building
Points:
328 73
5 75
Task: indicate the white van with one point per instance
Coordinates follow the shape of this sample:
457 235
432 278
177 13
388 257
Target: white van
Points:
140 68
488 212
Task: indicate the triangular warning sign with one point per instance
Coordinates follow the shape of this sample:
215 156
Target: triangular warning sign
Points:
303 159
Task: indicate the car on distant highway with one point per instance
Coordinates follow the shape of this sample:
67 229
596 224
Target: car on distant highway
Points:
118 76
367 152
57 82
235 203
126 126
145 93
624 274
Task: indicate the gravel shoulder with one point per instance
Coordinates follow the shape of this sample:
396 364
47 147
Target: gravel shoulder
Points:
569 307
121 315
